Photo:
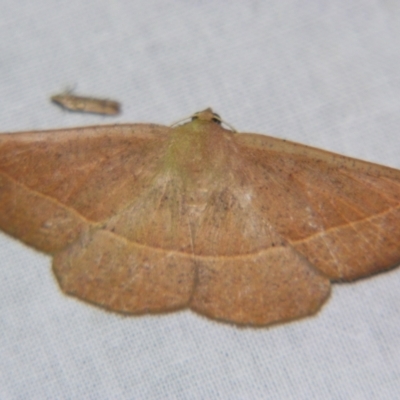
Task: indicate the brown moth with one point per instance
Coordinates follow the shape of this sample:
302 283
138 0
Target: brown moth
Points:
241 228
72 102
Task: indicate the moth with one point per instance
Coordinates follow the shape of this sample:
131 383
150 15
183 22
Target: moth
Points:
94 105
239 227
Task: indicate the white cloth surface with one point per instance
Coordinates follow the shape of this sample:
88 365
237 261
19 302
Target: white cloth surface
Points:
321 73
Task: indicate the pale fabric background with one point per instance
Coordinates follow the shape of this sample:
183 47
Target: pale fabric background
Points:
321 73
